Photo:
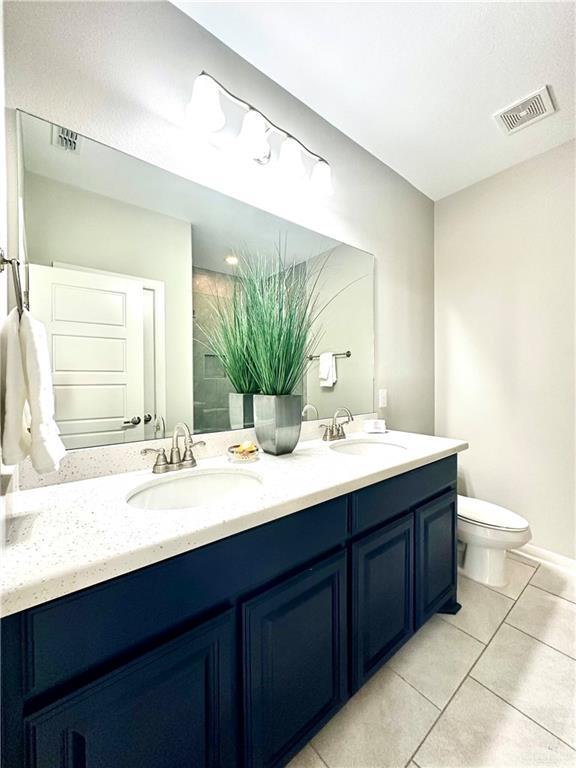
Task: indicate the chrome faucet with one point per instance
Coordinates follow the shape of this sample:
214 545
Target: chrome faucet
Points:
335 430
310 406
177 460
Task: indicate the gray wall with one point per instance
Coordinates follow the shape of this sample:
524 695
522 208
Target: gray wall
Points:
122 73
346 287
505 340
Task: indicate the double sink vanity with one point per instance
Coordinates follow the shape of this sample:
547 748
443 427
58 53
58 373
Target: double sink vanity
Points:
218 616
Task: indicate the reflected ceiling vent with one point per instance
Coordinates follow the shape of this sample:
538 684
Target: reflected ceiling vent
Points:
65 139
530 109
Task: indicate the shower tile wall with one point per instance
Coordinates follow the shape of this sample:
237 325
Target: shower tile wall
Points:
211 387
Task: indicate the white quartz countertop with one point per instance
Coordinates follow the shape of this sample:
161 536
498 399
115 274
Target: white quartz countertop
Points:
62 538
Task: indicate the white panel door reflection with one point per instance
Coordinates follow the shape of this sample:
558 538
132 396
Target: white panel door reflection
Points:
95 333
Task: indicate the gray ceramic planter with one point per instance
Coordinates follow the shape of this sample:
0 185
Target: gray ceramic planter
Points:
241 409
277 420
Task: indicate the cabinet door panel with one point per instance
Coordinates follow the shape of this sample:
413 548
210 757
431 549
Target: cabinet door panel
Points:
382 596
436 563
173 707
295 660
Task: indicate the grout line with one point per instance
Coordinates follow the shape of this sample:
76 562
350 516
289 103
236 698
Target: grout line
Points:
498 592
467 676
464 632
415 763
313 748
391 669
534 569
560 597
538 640
498 696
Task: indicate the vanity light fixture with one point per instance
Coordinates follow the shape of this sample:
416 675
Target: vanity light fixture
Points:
321 178
290 160
254 139
204 110
231 260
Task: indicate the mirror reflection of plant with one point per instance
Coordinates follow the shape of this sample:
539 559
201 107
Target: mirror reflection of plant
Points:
282 308
227 337
265 332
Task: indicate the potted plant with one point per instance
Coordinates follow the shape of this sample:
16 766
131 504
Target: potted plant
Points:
227 337
282 307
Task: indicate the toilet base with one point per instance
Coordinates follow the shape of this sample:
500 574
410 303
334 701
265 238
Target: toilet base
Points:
486 565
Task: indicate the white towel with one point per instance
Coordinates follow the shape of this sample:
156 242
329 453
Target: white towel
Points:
327 369
15 436
28 380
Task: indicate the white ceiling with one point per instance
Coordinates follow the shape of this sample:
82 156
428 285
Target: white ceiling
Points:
414 83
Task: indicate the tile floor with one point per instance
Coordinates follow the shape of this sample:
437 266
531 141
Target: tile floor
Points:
492 687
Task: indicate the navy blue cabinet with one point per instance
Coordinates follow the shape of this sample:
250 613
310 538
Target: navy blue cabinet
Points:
295 661
132 673
382 596
436 556
172 707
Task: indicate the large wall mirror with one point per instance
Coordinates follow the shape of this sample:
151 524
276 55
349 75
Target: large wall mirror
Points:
124 262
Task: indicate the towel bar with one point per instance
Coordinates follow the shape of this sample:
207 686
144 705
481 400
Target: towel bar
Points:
336 354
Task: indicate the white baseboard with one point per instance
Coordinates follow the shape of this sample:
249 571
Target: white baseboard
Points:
547 556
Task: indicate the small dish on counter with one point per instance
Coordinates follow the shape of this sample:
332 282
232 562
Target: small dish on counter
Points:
243 453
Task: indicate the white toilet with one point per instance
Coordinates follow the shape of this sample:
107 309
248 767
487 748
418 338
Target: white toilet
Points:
488 531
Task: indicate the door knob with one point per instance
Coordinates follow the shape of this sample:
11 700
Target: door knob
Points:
134 421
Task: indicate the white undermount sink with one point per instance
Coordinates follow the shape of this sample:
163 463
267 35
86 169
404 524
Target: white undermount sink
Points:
195 488
368 446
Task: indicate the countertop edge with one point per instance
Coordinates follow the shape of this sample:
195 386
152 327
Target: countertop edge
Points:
61 584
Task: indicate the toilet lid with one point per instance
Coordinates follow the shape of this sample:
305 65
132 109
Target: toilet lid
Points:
490 515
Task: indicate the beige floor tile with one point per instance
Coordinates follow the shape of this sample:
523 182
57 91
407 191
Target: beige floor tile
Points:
479 730
534 678
559 581
307 758
546 617
380 726
436 660
519 574
483 610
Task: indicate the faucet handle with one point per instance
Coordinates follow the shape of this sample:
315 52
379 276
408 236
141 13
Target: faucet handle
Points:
327 431
189 460
161 463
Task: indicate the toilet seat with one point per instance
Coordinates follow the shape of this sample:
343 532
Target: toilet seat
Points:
487 515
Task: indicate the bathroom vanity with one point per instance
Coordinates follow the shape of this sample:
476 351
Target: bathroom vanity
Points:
238 649
224 621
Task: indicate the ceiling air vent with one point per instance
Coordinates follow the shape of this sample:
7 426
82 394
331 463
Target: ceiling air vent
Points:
65 139
531 108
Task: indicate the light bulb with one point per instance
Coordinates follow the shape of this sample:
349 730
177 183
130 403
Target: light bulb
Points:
290 159
204 110
321 179
253 137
